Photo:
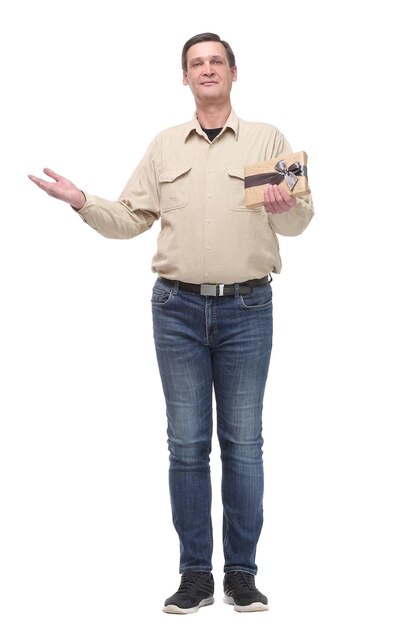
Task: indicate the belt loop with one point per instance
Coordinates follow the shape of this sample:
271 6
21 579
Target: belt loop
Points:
176 287
270 278
236 290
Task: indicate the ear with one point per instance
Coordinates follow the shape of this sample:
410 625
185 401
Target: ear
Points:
184 78
234 73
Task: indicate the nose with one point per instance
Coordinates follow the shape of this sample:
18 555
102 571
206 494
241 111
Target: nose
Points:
208 70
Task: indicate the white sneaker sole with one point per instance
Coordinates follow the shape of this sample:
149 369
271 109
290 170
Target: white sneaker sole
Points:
255 606
173 608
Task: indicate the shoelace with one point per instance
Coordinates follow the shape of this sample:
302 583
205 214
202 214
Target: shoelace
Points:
187 582
242 581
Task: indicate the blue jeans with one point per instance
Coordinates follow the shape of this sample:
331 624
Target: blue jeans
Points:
221 343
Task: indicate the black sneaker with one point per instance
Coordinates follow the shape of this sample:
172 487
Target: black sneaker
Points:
196 590
240 590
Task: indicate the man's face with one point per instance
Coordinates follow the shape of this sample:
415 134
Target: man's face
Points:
208 73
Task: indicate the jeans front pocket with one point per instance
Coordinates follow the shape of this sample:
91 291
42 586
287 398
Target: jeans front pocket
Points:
259 298
161 293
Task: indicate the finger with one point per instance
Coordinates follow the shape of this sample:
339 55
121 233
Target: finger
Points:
283 200
272 205
288 200
36 180
52 174
49 188
267 193
268 199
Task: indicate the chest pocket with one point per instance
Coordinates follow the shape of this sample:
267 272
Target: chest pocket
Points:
173 184
236 190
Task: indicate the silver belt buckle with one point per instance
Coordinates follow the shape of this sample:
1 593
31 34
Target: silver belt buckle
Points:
208 290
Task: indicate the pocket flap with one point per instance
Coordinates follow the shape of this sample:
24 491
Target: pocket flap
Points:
237 172
170 174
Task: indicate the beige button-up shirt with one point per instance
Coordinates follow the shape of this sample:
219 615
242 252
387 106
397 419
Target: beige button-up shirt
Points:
196 188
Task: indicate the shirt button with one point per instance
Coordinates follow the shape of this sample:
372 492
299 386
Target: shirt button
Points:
208 247
210 195
208 220
206 274
211 171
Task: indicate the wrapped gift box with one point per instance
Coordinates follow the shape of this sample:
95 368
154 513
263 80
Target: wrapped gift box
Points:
288 171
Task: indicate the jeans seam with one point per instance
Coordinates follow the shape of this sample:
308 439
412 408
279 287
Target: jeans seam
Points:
255 307
188 568
230 568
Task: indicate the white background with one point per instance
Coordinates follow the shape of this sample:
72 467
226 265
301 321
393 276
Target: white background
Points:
86 536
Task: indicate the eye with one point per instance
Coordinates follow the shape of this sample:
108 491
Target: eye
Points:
196 64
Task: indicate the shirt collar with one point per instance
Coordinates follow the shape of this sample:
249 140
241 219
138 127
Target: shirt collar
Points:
193 125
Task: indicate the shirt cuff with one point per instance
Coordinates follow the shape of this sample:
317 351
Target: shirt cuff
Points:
80 209
87 206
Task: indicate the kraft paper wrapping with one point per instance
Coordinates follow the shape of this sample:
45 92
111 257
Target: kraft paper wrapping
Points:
288 171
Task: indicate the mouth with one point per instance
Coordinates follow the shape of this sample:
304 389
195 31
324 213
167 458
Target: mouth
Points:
209 82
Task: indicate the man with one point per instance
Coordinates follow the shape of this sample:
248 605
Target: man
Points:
212 311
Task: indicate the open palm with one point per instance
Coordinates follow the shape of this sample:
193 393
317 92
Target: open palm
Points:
62 188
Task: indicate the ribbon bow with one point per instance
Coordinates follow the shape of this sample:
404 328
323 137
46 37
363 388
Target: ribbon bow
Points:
288 173
282 172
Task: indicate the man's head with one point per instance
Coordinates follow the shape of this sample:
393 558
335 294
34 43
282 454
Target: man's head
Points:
206 37
209 68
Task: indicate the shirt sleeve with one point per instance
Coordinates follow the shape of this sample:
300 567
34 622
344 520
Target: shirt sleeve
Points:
136 209
296 220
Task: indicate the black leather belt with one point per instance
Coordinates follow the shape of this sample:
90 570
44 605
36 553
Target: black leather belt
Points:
206 289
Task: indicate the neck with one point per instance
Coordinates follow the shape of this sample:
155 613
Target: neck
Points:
213 116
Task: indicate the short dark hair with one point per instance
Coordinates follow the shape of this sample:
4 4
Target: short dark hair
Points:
206 37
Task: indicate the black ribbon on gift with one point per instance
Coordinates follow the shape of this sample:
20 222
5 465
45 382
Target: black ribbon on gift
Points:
289 174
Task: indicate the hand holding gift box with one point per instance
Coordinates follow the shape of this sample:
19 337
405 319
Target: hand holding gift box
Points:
288 172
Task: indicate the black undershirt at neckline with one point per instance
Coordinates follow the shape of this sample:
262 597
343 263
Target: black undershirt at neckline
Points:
212 132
